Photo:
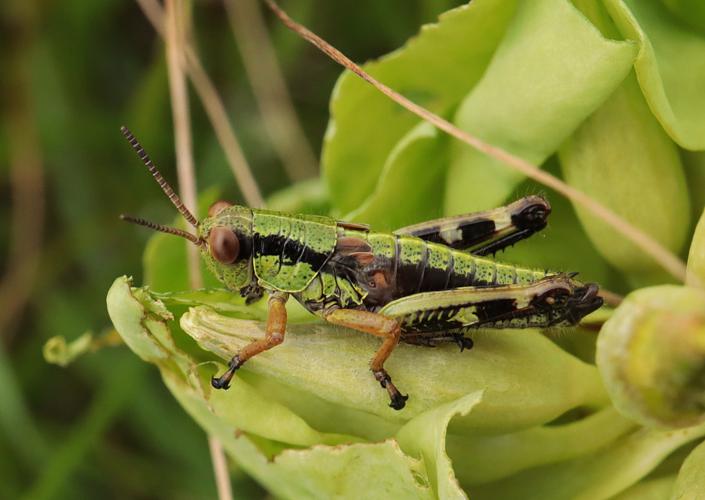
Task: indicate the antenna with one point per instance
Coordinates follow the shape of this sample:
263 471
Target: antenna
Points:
168 190
159 227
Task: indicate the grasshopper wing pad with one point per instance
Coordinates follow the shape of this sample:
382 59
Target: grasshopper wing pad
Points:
460 232
289 251
483 233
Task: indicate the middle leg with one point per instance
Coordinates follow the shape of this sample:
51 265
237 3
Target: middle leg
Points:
381 326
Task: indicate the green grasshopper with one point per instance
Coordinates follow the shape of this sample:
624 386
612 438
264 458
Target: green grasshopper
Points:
426 284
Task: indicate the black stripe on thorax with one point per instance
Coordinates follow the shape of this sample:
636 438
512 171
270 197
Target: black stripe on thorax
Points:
289 250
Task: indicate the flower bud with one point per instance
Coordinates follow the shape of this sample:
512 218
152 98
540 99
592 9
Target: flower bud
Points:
651 355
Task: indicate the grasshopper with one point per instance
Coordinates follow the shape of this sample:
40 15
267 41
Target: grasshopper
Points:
426 284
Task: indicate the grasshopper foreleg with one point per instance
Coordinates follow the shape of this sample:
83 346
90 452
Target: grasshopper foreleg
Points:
274 335
381 326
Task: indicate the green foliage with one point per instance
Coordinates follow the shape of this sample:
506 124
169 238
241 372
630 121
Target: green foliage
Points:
691 476
583 88
322 365
604 93
669 66
622 157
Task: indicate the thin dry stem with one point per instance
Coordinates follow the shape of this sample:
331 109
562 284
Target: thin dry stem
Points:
154 13
176 29
223 130
26 174
658 252
267 82
27 216
220 469
214 107
175 37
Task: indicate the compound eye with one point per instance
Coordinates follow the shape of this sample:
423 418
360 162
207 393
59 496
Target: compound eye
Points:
217 207
224 245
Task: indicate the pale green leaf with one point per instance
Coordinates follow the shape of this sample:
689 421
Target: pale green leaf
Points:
309 197
595 477
425 437
409 188
316 472
690 484
483 458
694 165
128 314
658 488
696 255
621 157
670 67
552 69
513 367
147 333
382 469
435 69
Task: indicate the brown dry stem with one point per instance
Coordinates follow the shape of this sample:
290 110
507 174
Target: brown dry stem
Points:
270 90
176 33
214 107
26 174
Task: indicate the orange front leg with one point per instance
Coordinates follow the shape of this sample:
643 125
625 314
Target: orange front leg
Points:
274 335
380 326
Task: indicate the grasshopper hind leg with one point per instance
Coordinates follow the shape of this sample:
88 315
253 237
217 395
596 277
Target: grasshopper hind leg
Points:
380 326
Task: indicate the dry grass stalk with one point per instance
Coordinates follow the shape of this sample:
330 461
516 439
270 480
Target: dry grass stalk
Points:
176 29
215 109
26 172
269 87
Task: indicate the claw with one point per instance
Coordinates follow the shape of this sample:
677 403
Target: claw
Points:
223 382
464 342
398 401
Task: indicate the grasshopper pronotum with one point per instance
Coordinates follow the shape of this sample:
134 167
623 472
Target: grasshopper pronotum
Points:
425 284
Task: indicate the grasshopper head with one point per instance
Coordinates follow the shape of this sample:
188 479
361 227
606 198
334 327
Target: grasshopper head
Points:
226 236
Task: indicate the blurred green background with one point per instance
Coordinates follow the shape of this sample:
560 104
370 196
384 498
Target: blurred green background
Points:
71 73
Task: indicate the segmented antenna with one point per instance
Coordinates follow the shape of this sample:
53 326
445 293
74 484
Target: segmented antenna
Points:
168 190
159 227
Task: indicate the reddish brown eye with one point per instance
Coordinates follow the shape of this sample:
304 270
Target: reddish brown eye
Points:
224 245
217 207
